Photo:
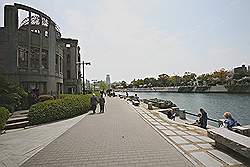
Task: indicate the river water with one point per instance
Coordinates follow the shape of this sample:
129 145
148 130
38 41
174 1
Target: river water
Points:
214 103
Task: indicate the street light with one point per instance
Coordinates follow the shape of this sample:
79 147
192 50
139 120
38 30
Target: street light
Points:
83 63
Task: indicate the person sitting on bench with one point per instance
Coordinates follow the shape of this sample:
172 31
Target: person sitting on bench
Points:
171 115
202 119
229 121
136 98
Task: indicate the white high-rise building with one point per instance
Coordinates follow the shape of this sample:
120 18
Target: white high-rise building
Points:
108 81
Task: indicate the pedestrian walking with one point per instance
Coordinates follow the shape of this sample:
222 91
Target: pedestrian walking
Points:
102 103
93 102
102 92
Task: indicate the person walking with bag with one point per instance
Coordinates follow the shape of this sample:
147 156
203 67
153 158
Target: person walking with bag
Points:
102 103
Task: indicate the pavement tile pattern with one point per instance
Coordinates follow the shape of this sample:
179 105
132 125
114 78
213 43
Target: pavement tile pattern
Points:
190 142
119 137
16 146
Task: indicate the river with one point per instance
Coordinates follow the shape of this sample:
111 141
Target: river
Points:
214 103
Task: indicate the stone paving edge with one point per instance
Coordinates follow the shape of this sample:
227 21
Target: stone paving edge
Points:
169 141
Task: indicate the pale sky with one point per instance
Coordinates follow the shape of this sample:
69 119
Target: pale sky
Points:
143 38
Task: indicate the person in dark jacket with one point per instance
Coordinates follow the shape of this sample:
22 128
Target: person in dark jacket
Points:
136 98
93 102
171 115
202 119
102 103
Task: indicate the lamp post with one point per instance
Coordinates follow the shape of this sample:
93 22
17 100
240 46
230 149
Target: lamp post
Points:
83 63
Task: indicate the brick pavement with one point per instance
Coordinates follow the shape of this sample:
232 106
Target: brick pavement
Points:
16 146
119 137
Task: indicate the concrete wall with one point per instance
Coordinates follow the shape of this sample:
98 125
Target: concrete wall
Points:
13 38
71 48
217 89
34 37
205 89
9 47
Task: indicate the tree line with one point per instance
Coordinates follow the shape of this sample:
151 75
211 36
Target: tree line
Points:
221 77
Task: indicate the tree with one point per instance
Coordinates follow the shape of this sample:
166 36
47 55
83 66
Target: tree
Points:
221 76
188 78
205 79
149 82
175 80
103 85
163 80
137 83
124 84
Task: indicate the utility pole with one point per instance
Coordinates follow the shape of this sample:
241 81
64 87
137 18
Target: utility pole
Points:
83 84
83 80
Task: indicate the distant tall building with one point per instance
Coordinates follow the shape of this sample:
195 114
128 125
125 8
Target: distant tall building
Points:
108 81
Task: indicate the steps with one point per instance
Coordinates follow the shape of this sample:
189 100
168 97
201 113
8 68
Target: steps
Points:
16 125
19 119
16 119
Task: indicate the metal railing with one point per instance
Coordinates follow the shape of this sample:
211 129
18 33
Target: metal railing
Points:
209 119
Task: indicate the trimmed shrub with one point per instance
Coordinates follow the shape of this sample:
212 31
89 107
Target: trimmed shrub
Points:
66 107
43 98
62 96
4 115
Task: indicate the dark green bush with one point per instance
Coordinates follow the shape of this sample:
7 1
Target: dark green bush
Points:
43 98
11 95
4 115
66 107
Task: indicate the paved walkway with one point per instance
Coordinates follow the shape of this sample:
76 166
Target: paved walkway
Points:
190 140
16 146
119 137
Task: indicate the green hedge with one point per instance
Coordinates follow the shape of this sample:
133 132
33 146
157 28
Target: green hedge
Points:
4 115
43 98
66 107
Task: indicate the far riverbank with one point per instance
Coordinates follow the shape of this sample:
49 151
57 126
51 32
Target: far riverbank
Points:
194 89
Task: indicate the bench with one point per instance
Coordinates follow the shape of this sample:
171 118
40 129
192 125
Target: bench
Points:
244 130
135 102
175 110
121 96
150 106
228 139
169 112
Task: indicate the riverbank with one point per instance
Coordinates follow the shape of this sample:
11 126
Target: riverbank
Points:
214 103
190 140
193 89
